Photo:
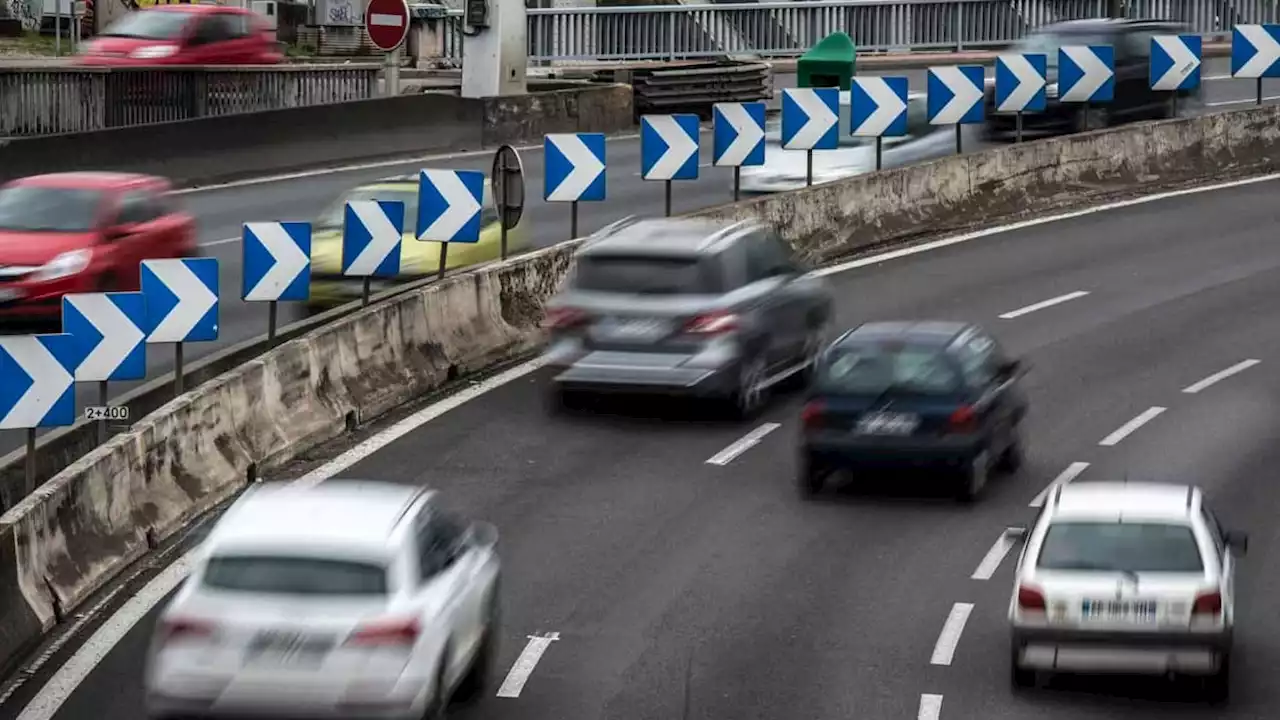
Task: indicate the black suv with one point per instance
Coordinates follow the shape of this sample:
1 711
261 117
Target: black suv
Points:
1134 98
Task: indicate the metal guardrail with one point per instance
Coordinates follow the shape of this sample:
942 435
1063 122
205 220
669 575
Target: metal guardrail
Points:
774 29
42 101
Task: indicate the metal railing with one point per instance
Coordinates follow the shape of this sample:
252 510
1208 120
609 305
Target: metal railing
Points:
42 101
789 28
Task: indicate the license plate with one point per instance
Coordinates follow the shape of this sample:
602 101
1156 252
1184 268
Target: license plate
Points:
288 648
888 424
1125 610
636 328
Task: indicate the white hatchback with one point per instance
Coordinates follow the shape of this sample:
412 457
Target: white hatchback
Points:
1117 577
350 598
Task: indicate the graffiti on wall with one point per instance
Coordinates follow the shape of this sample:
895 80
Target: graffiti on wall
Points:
342 12
26 11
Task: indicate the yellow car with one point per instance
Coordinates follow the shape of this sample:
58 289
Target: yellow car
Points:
330 288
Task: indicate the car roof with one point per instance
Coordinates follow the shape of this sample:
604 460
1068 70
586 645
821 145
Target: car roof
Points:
916 332
663 237
1110 500
410 182
338 516
1087 25
86 180
198 8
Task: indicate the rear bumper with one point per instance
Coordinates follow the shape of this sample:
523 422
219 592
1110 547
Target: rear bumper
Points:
162 707
846 450
1152 652
708 374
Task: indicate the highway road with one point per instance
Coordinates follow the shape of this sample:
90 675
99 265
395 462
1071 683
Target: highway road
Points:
678 587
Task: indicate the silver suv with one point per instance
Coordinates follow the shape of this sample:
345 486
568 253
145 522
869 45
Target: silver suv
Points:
686 307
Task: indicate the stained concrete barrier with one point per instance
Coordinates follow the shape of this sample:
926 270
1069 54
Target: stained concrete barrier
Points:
82 528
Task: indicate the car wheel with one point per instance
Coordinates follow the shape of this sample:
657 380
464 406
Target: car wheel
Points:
481 670
1217 687
439 702
748 397
1019 677
974 477
1092 118
812 349
811 477
560 400
1011 459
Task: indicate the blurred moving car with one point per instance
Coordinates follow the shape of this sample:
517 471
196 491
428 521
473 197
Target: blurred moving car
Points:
686 307
939 395
787 169
83 232
1134 98
351 597
1120 577
185 35
418 259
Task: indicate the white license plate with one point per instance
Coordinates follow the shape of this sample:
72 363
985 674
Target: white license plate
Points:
1122 610
888 424
285 648
636 329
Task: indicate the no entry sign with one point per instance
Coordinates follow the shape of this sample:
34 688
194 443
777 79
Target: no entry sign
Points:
387 22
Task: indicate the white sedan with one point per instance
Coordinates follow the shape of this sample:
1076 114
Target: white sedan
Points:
350 598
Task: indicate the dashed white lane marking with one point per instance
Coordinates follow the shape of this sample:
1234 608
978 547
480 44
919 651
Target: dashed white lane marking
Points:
1071 473
930 707
1220 375
1043 304
994 557
950 636
742 444
1128 428
525 664
215 243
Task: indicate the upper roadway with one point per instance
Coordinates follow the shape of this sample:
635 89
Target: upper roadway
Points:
680 588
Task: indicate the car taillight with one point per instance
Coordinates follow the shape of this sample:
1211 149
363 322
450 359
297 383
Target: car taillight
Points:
1030 598
387 632
179 628
812 412
562 318
1209 603
963 420
714 323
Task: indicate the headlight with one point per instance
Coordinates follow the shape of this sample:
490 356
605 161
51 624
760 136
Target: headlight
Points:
154 52
66 264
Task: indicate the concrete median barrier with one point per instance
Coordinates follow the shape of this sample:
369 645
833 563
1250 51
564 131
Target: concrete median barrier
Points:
89 522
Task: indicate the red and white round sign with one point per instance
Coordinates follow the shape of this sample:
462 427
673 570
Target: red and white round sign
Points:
387 22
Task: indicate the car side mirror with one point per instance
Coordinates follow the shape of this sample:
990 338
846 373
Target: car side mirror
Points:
1016 533
1237 542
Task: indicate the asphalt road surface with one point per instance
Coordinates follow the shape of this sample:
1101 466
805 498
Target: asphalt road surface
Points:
682 588
221 211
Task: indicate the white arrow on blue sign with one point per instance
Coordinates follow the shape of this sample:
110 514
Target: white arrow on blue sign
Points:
277 261
1086 73
37 383
449 203
954 95
810 118
182 299
109 330
1175 62
669 147
1255 51
573 168
878 106
737 139
371 234
1020 82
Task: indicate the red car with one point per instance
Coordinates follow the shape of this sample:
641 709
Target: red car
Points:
185 35
83 232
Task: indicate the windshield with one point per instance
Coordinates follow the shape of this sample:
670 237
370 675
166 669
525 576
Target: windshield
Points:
1049 43
875 368
646 275
332 217
48 209
156 25
773 132
294 576
1120 547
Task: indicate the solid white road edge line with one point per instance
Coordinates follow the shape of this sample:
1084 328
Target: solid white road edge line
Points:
950 636
991 562
1026 310
1128 428
930 707
1218 376
742 444
1071 473
524 665
156 591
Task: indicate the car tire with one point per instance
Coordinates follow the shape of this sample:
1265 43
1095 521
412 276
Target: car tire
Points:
560 400
748 397
1217 687
1020 678
479 674
1013 456
1089 119
812 349
973 478
439 702
811 477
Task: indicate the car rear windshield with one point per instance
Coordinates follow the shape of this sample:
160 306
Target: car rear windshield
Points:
155 25
645 275
1049 43
283 575
334 215
1120 547
48 209
874 368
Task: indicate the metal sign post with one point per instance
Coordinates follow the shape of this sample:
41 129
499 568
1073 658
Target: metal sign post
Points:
507 184
387 24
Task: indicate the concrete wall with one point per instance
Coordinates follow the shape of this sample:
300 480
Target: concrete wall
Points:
80 529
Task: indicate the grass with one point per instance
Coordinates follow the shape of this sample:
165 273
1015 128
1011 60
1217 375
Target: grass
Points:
32 44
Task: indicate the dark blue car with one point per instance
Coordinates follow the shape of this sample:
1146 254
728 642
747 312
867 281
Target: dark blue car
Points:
898 395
